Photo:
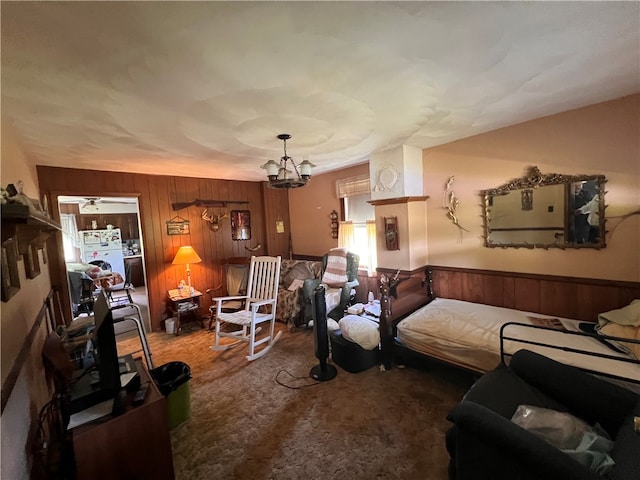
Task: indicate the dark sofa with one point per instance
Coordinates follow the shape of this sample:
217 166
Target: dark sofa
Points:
484 443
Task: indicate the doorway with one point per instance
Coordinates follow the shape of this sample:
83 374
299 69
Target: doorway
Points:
103 232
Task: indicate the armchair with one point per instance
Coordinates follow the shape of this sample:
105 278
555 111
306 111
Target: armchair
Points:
484 443
293 273
353 261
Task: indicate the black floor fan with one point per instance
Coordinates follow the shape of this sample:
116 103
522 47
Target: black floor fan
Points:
323 371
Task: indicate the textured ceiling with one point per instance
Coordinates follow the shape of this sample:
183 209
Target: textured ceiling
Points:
203 88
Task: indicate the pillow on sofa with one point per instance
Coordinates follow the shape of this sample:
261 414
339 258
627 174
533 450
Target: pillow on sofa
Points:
300 271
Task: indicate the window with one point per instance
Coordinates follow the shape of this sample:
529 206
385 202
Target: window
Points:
69 236
358 231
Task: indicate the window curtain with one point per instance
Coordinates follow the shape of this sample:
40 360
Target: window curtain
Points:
69 236
352 186
345 235
372 254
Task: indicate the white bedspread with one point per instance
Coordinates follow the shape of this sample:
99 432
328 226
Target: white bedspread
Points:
468 334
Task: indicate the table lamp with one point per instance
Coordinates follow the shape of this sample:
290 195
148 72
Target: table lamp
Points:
186 255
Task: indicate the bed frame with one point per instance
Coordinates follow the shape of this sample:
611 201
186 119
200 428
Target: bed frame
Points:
568 297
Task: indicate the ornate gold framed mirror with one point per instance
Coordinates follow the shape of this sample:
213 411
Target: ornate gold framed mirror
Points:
546 211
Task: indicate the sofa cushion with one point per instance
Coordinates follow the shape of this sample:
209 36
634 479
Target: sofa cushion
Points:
626 448
300 271
502 390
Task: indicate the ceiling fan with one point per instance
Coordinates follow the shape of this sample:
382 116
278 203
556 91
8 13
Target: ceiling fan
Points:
93 202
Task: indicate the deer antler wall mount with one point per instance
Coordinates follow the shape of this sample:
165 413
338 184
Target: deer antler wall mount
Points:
214 220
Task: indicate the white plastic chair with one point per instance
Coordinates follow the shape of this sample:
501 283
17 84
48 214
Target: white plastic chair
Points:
260 306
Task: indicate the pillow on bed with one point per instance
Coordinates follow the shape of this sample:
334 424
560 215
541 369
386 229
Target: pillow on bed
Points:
361 331
629 315
624 331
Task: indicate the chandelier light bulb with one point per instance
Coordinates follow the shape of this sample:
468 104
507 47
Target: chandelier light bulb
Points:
280 176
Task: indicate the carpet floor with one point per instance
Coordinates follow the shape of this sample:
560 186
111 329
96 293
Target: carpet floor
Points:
267 419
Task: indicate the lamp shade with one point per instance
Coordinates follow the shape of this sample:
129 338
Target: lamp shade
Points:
186 254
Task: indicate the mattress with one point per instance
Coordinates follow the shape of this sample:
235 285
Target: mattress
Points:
468 335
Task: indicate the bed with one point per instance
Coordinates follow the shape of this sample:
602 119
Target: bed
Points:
476 330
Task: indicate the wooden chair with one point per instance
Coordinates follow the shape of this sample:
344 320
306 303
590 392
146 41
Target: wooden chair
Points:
236 278
260 307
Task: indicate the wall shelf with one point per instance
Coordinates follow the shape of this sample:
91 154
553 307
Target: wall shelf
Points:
24 232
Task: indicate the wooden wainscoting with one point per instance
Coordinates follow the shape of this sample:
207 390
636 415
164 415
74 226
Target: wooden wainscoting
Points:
571 297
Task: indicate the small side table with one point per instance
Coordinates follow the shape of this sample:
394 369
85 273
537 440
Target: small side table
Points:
183 302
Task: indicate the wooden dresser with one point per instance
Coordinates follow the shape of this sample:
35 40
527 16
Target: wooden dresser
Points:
133 445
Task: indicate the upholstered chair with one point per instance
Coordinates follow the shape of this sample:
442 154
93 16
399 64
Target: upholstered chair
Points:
337 312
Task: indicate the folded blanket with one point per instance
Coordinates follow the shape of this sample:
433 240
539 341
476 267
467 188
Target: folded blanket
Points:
629 315
335 275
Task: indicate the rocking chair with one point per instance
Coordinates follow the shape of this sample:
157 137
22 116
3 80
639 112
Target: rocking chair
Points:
260 306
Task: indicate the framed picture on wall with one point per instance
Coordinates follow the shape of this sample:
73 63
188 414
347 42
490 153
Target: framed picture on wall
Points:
10 276
240 225
178 226
32 261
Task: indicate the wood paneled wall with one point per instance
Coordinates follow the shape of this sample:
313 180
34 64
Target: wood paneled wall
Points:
570 297
155 194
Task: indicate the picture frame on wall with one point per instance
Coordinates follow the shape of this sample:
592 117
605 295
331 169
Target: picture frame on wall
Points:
31 261
10 276
178 226
240 225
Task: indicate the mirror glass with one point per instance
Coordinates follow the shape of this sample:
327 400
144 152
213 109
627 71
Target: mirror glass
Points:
546 211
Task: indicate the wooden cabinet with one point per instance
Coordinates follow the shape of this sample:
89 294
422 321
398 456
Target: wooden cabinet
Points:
126 222
135 444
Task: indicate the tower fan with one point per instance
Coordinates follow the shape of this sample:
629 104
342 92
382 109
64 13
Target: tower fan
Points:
323 371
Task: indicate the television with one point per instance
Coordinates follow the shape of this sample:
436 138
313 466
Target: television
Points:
101 381
323 371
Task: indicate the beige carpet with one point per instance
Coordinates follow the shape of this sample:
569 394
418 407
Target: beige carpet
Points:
245 425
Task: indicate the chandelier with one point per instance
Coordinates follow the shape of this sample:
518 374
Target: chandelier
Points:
280 176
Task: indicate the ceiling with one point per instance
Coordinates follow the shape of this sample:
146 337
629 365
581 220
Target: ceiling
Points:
201 89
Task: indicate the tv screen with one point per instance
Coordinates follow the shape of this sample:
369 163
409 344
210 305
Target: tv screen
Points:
104 339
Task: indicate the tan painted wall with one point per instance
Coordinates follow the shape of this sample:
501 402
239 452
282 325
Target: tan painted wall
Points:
599 139
309 209
17 317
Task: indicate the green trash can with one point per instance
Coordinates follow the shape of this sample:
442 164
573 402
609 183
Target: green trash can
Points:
172 380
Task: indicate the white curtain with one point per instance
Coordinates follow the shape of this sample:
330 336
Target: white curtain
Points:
360 238
69 236
345 235
372 253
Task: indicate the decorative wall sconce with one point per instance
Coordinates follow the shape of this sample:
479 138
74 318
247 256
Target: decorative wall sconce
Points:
450 203
334 223
391 233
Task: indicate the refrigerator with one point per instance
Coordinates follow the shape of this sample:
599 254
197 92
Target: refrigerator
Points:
103 245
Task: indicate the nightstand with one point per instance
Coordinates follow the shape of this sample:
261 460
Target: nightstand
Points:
182 302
